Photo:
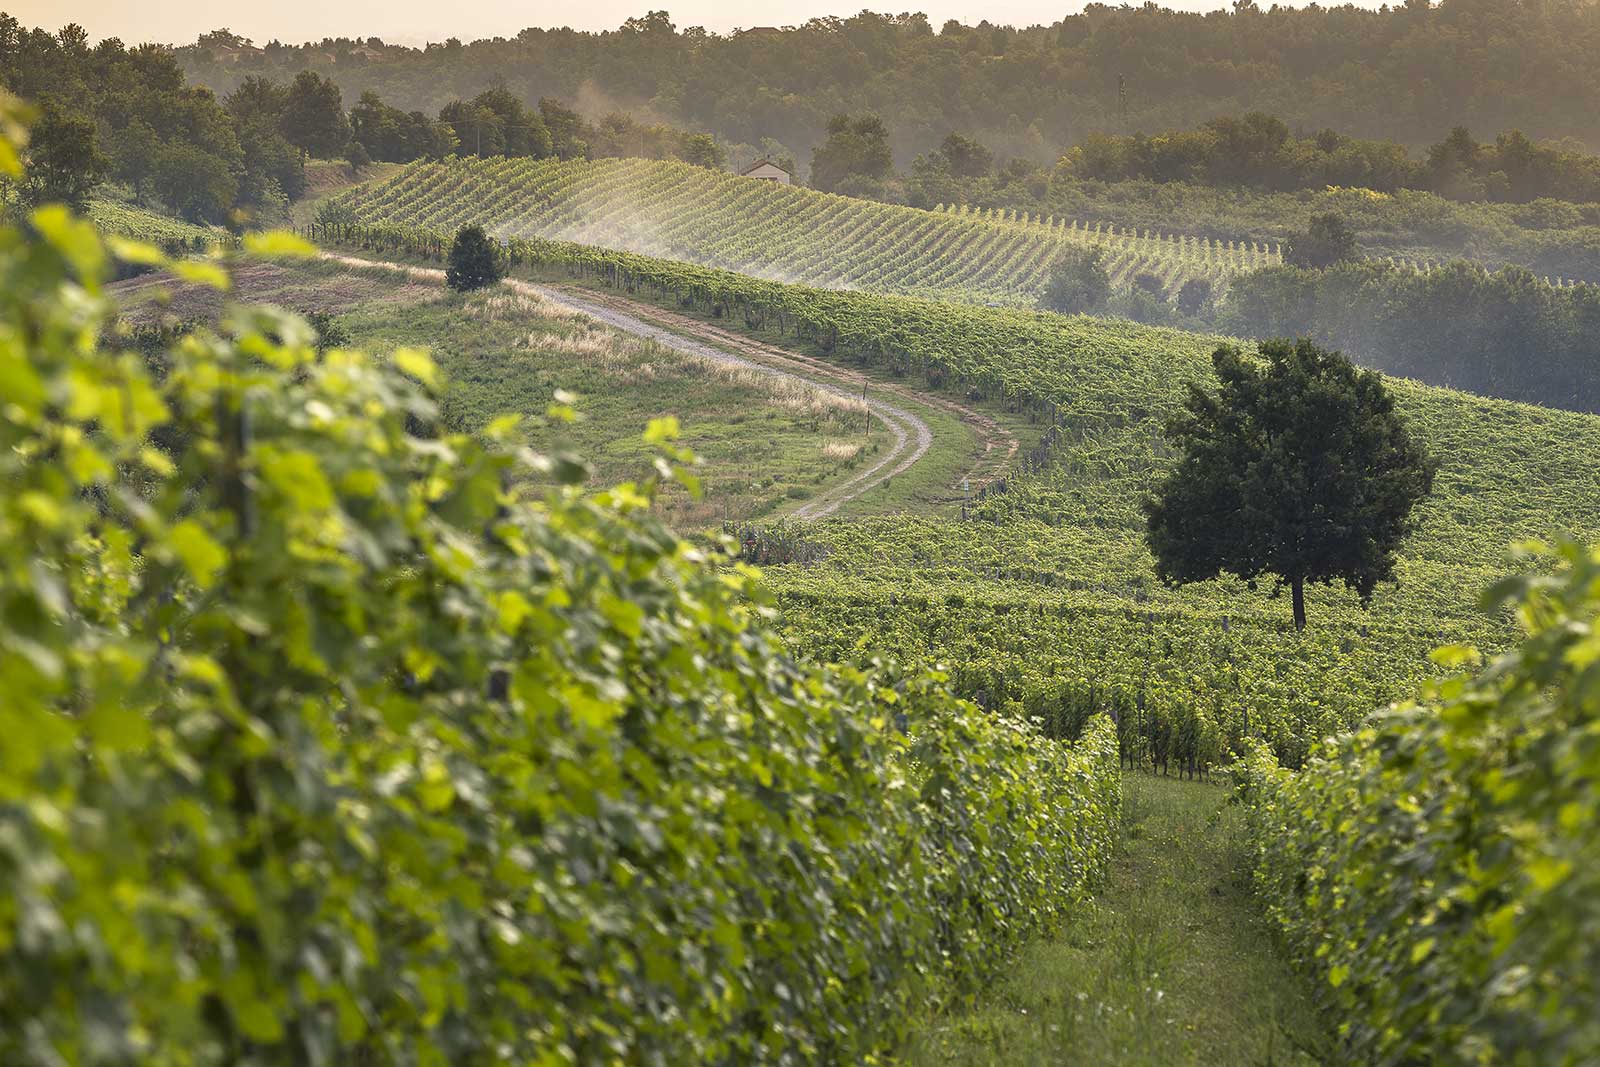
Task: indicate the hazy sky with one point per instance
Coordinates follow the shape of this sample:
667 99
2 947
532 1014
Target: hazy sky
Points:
416 21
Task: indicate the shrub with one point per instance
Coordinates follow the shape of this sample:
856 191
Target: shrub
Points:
474 260
327 743
1440 868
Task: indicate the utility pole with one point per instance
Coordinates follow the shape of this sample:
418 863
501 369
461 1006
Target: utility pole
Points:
868 410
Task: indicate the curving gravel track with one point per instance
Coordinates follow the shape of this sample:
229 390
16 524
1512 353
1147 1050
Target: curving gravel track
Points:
910 436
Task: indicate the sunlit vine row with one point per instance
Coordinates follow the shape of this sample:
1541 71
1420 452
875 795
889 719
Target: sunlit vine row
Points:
785 233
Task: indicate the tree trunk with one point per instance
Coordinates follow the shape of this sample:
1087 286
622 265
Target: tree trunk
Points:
1299 586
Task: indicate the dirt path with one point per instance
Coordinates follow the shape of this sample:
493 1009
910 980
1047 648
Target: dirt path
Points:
997 445
910 436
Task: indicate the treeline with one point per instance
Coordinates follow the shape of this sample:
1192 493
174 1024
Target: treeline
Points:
497 123
1257 151
1504 333
1035 91
1412 216
110 113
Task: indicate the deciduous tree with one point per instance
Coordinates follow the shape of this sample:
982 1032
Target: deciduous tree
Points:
65 163
1328 241
1298 466
313 116
855 148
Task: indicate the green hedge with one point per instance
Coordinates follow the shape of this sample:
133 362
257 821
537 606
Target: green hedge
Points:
325 744
1440 869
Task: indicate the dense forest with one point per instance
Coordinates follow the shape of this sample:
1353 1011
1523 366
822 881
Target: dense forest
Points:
1407 73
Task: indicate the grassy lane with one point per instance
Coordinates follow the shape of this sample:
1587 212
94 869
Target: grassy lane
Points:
1172 964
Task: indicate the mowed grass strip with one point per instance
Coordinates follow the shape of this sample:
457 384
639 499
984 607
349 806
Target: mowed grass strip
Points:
1171 964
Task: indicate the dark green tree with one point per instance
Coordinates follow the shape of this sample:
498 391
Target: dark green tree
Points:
313 116
478 130
64 162
965 157
856 148
702 150
1078 283
1298 466
1328 241
521 131
355 154
193 183
567 129
474 260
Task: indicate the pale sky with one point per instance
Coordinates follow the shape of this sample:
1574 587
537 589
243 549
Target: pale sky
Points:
418 21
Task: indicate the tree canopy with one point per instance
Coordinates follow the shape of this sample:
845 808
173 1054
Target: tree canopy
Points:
855 155
1298 466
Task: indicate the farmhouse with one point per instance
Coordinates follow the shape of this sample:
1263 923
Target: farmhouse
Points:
767 171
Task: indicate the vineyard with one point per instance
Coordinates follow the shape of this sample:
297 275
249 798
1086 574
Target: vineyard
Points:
139 224
344 725
1436 870
784 233
326 745
1044 601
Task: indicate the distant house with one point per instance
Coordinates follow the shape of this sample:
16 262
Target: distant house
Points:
767 171
233 53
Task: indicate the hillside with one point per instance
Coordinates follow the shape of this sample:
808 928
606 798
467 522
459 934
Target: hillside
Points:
1101 571
335 737
121 219
1042 596
783 233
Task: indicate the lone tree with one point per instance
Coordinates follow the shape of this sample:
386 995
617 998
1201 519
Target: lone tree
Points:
474 260
1328 242
1298 467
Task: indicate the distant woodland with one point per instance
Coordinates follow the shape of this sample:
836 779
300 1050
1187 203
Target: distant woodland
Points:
1408 73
